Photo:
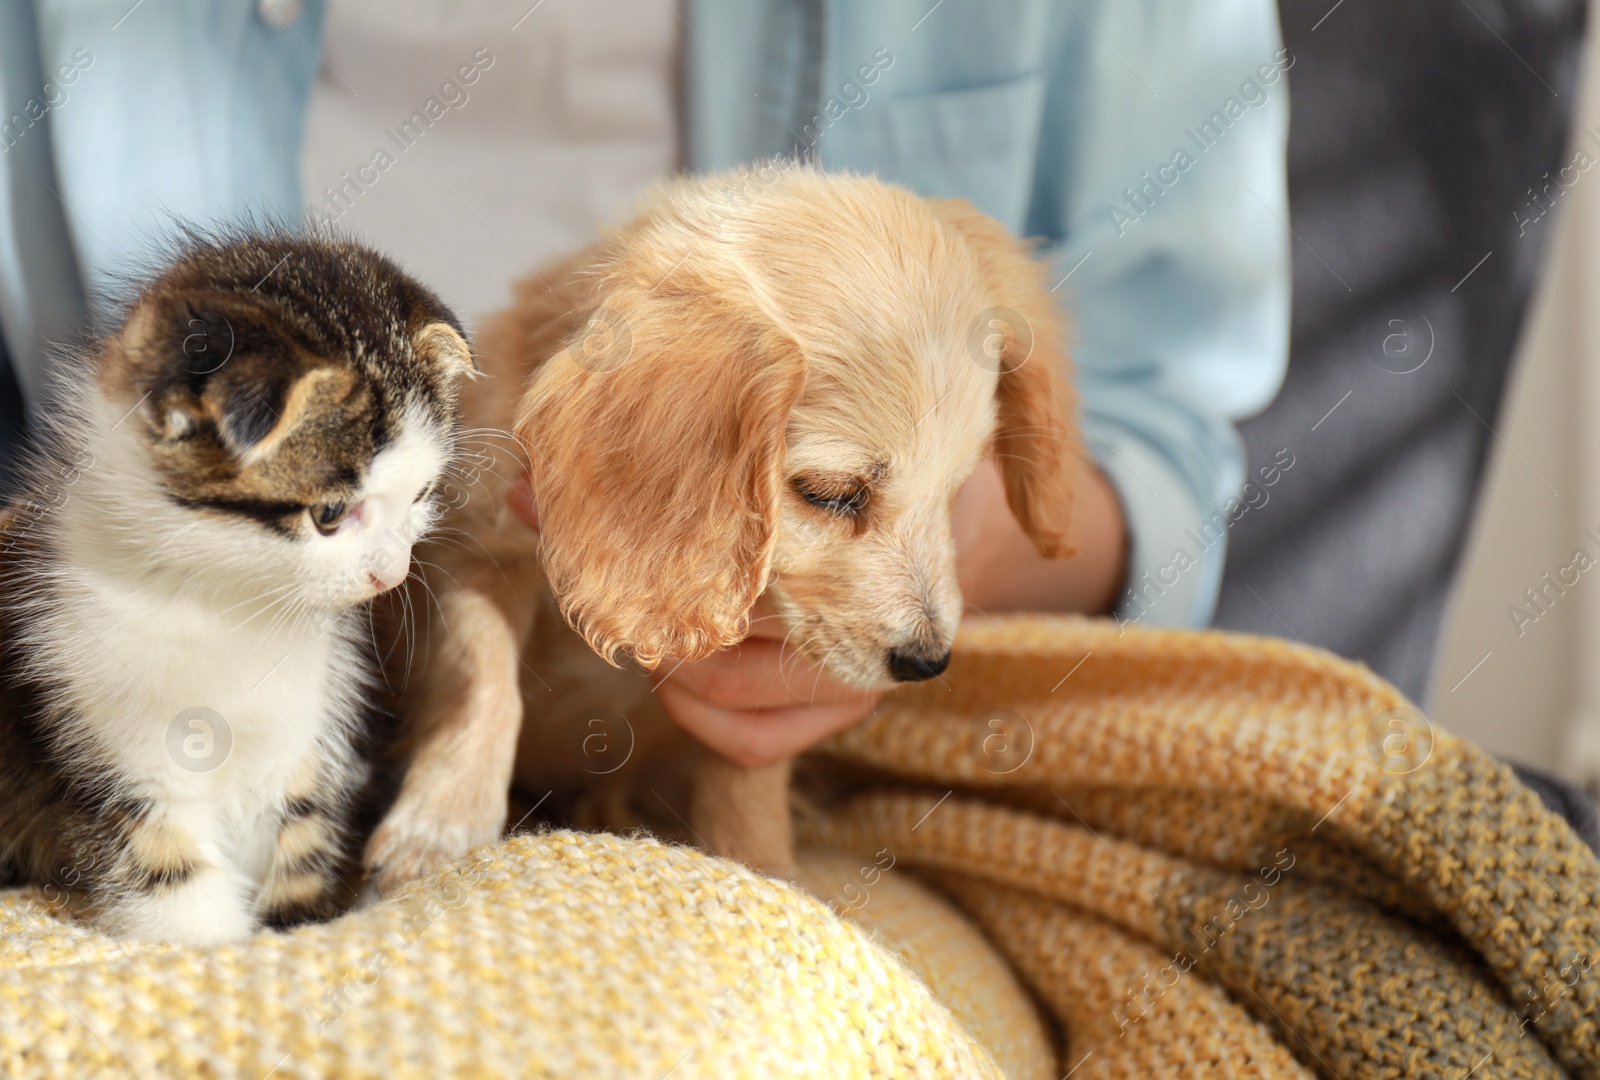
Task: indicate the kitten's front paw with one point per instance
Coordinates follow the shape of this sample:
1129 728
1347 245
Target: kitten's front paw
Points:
422 833
210 909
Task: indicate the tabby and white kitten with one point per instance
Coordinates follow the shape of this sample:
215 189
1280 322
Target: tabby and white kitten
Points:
230 475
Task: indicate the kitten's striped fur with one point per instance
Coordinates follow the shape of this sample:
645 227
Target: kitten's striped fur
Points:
229 476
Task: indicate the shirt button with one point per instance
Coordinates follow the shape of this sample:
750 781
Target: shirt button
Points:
278 14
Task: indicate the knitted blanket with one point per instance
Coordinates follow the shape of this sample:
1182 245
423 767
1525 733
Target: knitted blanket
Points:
1211 854
1204 854
560 955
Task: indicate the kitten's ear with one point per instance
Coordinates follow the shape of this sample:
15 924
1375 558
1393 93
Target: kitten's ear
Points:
211 359
1022 335
255 414
655 442
442 344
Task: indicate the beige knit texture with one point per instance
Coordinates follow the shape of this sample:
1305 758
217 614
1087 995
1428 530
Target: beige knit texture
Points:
1219 855
560 955
1161 853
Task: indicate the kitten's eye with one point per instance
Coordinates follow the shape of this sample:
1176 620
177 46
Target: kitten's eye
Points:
846 498
328 516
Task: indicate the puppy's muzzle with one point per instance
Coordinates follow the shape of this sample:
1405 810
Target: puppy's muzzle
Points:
908 666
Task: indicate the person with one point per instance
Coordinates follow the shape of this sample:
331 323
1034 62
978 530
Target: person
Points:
1141 144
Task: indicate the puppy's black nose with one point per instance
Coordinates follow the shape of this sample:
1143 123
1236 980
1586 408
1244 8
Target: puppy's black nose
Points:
908 666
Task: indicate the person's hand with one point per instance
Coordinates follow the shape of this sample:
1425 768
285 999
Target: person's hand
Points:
754 703
759 701
999 568
519 497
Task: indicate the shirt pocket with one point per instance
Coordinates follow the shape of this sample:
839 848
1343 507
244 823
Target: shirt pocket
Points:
978 143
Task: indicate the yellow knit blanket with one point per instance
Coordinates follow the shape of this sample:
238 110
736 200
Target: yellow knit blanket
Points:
1206 855
1217 855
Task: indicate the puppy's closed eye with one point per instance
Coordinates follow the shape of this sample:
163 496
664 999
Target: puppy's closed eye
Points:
843 496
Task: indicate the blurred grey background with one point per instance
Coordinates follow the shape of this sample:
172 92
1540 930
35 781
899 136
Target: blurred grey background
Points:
1428 257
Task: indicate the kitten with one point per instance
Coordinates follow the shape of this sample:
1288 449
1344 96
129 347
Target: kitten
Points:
227 478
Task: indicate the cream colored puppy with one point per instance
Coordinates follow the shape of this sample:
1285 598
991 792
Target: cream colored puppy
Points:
768 383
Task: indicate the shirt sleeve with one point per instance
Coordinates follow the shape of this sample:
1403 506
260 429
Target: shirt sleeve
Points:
1161 186
41 299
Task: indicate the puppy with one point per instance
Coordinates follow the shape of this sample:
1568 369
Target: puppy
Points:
768 383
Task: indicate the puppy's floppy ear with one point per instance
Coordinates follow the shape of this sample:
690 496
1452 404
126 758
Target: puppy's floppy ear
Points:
655 442
1036 438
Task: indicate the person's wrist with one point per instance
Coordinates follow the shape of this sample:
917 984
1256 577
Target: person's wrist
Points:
1000 569
980 524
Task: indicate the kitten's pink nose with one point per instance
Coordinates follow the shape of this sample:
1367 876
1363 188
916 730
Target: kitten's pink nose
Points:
391 572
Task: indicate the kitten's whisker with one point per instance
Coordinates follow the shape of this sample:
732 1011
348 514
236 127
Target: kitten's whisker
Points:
466 435
439 569
407 631
434 597
288 593
482 547
258 596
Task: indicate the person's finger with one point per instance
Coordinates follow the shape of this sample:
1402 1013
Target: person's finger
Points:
759 674
519 496
752 738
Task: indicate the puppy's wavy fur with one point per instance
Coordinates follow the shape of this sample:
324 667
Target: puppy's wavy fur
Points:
768 383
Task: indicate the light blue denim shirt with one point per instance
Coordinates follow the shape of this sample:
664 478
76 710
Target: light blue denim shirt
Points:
1141 142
